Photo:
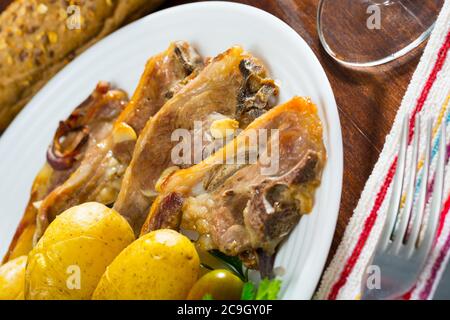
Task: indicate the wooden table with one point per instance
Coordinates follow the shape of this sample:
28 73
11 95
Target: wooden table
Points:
367 100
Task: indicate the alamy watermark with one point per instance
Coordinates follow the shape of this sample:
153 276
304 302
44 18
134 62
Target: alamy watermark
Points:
374 20
73 21
73 281
253 146
373 280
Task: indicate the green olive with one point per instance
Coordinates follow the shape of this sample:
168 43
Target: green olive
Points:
220 284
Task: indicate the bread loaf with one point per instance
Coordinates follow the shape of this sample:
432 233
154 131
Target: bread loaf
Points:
39 37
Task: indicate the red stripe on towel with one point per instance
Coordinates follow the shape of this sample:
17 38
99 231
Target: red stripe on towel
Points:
368 224
443 217
434 270
371 219
425 293
442 55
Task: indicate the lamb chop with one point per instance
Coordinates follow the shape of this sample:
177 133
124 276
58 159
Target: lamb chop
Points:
233 86
88 123
99 175
244 209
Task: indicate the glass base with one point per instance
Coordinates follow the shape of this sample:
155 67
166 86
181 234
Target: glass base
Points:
366 33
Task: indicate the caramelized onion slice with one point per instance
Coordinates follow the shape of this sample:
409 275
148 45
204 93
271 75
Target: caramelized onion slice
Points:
73 133
67 144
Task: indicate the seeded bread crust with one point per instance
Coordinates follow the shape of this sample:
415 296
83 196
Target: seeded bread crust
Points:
37 39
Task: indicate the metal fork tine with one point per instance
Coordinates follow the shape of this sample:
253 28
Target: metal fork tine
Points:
436 203
399 233
396 189
418 217
402 267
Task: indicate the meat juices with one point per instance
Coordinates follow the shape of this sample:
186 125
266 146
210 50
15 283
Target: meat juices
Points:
234 85
91 121
99 176
236 208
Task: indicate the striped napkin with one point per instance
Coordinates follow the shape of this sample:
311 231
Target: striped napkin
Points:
429 95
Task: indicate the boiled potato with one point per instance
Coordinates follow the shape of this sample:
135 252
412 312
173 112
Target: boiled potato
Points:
70 258
162 264
12 279
220 284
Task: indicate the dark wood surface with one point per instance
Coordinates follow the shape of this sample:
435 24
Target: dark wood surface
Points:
367 100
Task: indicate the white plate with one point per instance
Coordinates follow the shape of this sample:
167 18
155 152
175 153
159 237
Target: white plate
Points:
120 58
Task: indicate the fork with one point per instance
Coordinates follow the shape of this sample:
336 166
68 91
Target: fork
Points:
406 240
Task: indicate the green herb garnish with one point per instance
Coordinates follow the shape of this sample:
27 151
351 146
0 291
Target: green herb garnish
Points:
267 290
208 296
234 263
248 291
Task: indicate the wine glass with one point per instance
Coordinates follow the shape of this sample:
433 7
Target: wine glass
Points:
366 33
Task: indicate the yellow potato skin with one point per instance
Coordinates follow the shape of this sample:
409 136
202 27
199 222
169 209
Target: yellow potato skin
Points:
74 251
12 279
162 264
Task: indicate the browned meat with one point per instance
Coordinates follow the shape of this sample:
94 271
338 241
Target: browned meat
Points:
233 85
99 176
88 123
164 75
248 209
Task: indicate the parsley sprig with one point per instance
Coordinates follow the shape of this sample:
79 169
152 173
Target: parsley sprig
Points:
267 290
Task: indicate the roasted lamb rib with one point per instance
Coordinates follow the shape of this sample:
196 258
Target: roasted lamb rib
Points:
89 123
240 208
99 176
234 85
